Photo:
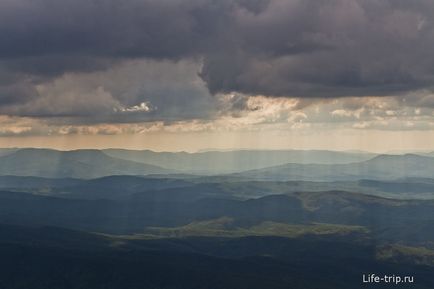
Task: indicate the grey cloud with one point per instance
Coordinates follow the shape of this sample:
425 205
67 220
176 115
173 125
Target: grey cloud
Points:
172 90
132 28
328 49
418 99
14 92
43 39
292 48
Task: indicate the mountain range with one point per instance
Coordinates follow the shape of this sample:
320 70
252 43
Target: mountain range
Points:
71 164
222 162
382 167
331 166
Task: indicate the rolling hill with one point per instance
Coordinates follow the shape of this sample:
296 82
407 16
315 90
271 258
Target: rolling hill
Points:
35 183
172 208
53 258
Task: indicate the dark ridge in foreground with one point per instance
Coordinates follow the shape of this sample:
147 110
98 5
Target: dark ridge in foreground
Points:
52 258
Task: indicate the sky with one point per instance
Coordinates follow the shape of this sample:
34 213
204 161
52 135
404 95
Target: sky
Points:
217 74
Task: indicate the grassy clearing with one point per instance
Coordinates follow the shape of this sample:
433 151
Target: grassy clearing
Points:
225 227
400 253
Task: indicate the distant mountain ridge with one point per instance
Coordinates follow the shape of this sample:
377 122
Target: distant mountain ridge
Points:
385 167
7 151
218 162
71 164
265 165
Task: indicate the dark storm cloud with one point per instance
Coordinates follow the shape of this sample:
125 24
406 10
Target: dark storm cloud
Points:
328 49
132 28
294 48
43 39
130 91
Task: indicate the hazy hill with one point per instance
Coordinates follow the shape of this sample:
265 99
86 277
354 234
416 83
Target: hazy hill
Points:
123 187
6 151
119 187
429 154
71 164
382 167
24 182
235 161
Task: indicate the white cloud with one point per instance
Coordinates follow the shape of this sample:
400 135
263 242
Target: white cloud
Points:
142 107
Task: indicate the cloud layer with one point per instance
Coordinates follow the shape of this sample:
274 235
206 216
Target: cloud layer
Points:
83 62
